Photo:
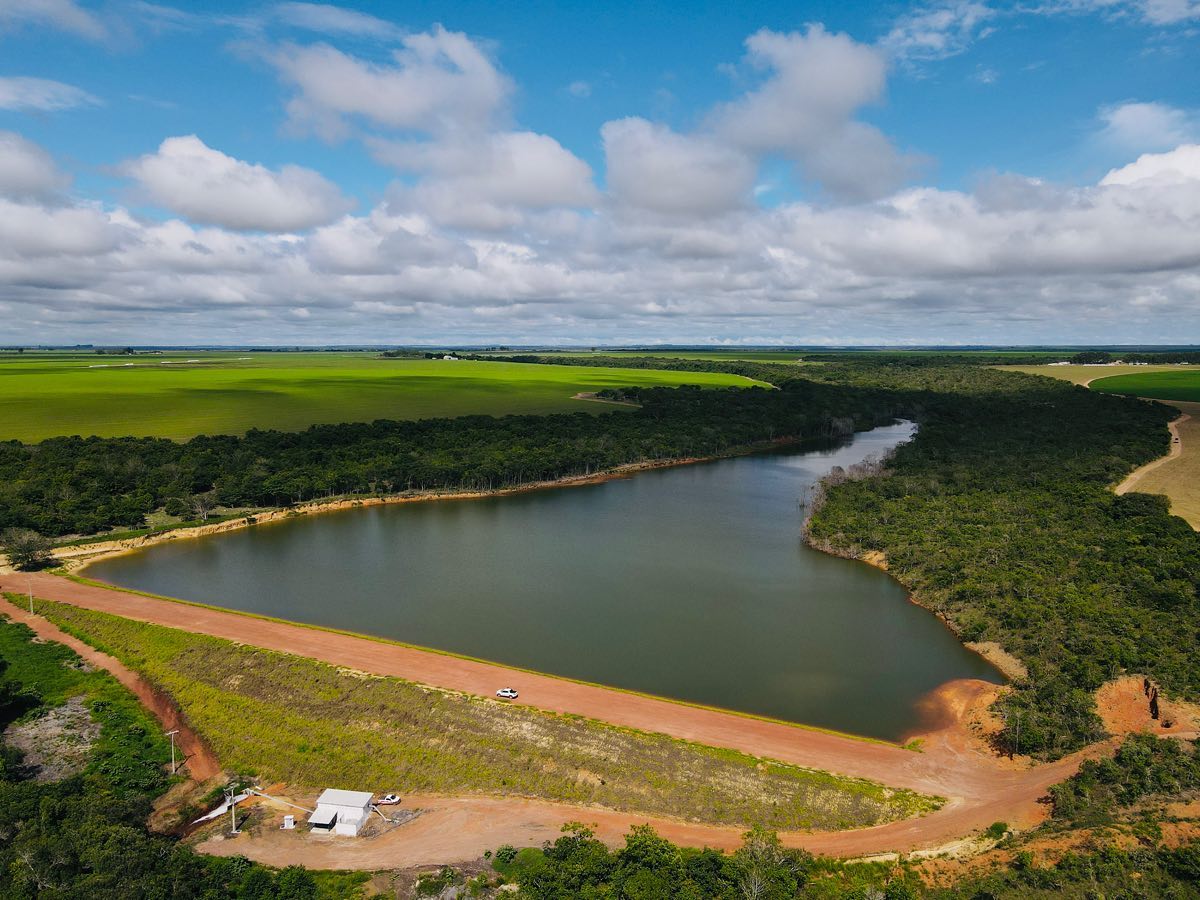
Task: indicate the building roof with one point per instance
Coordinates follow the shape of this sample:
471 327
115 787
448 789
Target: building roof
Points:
335 797
324 816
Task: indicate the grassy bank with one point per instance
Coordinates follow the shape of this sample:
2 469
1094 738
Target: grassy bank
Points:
308 723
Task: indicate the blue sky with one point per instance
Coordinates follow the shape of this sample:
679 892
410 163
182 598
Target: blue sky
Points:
678 172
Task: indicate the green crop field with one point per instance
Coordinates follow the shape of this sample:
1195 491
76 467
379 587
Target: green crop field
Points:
1086 375
180 395
776 356
1183 384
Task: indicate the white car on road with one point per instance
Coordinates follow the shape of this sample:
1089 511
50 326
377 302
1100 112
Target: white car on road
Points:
507 693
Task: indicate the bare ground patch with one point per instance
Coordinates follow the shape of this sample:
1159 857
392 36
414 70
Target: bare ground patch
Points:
57 744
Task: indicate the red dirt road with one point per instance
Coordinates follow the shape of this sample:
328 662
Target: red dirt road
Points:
199 760
980 788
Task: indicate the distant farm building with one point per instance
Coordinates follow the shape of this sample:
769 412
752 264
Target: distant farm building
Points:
341 812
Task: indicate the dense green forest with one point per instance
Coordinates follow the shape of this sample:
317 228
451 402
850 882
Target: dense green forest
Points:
1000 517
1143 769
577 865
84 835
84 485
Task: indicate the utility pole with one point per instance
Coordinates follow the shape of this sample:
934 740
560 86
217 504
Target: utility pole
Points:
233 829
171 735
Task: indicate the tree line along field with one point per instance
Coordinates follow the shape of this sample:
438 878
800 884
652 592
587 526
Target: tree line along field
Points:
180 395
1182 384
1178 479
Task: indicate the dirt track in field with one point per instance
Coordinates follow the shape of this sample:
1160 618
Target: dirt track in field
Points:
1176 475
1134 478
981 788
200 762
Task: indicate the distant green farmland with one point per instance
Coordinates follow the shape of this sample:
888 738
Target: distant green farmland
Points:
1178 385
775 356
180 395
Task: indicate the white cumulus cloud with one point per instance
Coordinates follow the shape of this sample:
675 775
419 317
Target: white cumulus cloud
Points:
514 169
816 83
651 167
1181 165
26 170
1148 126
439 81
190 178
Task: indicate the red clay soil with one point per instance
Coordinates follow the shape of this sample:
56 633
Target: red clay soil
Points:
1124 708
980 787
199 760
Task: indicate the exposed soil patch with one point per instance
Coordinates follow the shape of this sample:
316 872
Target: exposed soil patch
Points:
57 744
876 558
1124 707
1012 668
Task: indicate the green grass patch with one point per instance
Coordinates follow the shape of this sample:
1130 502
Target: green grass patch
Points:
1181 385
131 751
180 395
309 723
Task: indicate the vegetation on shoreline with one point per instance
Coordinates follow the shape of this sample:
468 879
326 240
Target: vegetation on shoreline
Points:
84 836
1000 517
344 727
82 486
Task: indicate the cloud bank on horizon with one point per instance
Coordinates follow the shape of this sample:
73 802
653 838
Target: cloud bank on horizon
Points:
335 176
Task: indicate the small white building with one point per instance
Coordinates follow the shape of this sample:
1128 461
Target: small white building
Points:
341 812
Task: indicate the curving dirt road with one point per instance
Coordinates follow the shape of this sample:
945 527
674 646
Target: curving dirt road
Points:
201 763
1133 478
981 788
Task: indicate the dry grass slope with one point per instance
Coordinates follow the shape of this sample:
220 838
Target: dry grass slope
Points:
307 723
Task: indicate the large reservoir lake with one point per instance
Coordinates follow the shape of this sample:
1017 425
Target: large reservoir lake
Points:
690 582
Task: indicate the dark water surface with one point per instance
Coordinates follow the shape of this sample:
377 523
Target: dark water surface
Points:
690 582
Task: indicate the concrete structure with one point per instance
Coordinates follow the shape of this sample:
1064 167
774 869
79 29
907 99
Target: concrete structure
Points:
341 812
